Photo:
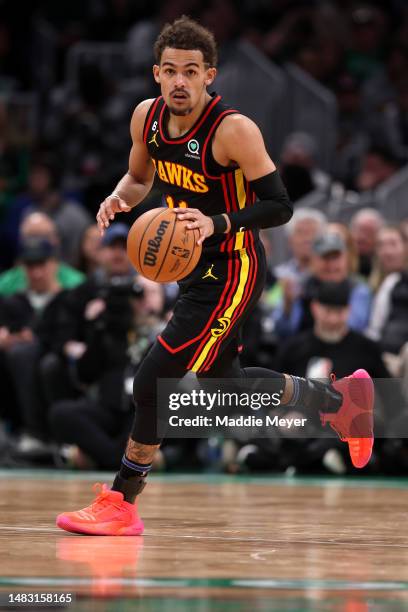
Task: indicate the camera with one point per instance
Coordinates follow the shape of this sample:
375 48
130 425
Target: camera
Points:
118 293
121 287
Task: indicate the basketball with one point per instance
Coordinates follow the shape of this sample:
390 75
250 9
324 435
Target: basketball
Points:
160 246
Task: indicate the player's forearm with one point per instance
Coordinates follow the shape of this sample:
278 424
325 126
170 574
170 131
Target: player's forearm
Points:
273 208
131 190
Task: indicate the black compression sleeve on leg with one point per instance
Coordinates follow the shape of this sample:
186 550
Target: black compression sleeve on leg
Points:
157 364
273 208
130 488
315 394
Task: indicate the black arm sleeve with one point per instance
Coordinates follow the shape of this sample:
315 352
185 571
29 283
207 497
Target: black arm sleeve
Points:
273 208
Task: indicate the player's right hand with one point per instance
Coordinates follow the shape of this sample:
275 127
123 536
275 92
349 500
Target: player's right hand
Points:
108 209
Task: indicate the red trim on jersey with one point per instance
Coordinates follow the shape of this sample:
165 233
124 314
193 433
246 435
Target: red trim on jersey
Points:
225 190
253 255
251 283
229 289
227 305
228 207
166 346
150 115
231 182
212 355
194 129
230 111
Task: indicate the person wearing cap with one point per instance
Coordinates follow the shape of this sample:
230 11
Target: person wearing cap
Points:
330 340
38 225
329 263
82 305
29 330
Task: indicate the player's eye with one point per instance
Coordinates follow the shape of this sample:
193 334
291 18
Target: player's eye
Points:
169 71
191 73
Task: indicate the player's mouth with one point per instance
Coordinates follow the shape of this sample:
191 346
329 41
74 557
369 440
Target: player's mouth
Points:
179 96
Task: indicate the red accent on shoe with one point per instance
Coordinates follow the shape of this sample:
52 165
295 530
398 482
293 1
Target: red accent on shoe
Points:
353 422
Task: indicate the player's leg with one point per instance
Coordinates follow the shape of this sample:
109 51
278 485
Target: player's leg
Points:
294 391
114 511
347 404
144 441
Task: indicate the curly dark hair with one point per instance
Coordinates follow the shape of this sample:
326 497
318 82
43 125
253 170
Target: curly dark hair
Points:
185 33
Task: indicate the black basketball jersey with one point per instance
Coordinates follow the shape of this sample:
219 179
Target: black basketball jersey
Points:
189 176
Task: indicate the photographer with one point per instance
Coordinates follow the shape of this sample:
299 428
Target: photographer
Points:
29 331
83 305
121 326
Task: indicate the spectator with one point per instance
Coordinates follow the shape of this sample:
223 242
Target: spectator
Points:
344 232
389 318
118 337
330 346
90 250
14 157
378 164
368 29
29 330
84 304
305 225
365 225
38 225
391 254
44 196
94 114
298 167
329 264
302 230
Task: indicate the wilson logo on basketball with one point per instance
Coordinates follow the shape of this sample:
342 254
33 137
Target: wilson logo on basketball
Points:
224 322
179 175
153 245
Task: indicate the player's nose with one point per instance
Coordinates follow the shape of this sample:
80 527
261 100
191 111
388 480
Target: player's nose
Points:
180 81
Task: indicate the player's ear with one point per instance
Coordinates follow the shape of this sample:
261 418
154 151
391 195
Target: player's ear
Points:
211 74
156 70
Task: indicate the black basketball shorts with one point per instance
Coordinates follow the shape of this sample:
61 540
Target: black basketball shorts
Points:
215 300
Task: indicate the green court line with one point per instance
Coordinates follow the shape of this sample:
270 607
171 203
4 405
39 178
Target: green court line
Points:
225 583
216 479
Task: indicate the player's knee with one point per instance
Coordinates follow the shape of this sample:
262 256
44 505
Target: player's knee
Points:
144 382
157 364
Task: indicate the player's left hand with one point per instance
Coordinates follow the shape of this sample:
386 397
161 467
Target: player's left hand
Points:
198 220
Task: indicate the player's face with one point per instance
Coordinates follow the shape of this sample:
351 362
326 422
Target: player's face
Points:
183 77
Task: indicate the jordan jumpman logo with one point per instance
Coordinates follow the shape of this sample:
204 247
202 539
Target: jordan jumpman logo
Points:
153 139
209 273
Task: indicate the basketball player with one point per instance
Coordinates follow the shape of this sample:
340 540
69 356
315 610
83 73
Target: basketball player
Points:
213 170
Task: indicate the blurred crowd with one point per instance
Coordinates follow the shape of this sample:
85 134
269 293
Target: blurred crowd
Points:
75 320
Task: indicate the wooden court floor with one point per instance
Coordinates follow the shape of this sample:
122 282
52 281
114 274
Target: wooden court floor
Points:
212 543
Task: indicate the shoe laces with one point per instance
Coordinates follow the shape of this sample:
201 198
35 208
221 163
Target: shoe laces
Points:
104 498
